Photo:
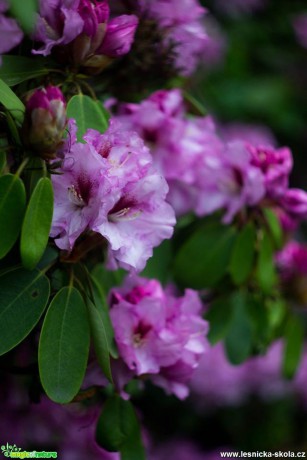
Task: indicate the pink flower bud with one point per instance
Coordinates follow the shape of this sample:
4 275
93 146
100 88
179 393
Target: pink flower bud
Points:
45 120
119 36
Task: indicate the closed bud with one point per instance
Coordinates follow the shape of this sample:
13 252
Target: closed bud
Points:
45 121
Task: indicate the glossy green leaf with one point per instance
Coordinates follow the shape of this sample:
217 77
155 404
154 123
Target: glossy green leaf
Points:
16 69
158 266
12 209
24 12
242 258
219 316
100 339
294 342
266 273
274 227
11 102
203 259
238 340
88 114
23 298
118 429
37 222
101 304
64 346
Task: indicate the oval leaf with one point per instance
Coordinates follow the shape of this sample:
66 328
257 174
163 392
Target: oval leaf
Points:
242 258
294 342
11 102
37 222
118 429
88 114
99 335
64 346
16 69
203 260
266 273
238 340
12 209
23 298
24 12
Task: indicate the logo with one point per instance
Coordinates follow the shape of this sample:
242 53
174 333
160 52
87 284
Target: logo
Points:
12 451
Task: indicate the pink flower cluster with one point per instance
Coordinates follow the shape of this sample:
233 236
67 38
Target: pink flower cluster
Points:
85 23
183 27
109 185
10 32
292 260
205 173
158 334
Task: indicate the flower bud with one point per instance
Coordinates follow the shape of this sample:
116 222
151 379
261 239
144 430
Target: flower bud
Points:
119 36
45 120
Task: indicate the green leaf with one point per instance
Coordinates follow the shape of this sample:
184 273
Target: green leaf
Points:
100 302
219 317
238 340
242 258
24 12
274 227
203 259
158 266
100 339
11 102
37 222
118 429
88 114
12 209
23 298
64 346
16 69
294 342
266 273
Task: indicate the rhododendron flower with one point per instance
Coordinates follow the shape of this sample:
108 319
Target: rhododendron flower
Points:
181 23
292 259
10 33
157 333
179 146
109 185
294 202
86 24
45 119
276 165
119 36
230 182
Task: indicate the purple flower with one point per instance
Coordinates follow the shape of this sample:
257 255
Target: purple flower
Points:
109 186
294 202
181 22
157 333
179 146
58 23
119 36
253 134
292 260
87 25
300 28
45 119
230 182
276 165
10 33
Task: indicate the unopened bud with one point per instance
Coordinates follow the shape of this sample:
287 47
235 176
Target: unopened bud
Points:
45 120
